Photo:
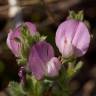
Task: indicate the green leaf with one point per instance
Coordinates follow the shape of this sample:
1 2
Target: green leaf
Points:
15 89
24 31
21 61
78 66
29 84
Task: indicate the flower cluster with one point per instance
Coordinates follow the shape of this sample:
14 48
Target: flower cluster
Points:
72 39
41 60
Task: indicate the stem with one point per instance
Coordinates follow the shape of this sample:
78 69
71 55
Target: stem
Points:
63 83
64 89
37 87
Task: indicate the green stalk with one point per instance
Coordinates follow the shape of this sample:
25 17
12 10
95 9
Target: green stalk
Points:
37 87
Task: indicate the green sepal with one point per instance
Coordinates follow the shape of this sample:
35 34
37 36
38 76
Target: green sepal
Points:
21 61
80 15
71 15
77 16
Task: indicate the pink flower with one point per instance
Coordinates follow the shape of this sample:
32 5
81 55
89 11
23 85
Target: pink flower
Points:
72 38
13 44
42 61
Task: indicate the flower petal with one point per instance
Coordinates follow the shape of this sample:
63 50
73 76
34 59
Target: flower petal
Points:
66 30
70 38
81 39
14 46
40 54
31 27
53 67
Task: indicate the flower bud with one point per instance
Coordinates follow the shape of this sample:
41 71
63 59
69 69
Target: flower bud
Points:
22 75
53 67
72 38
14 38
42 61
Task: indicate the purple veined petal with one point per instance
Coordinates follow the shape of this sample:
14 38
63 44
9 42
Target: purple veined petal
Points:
81 39
66 30
66 49
53 67
40 54
36 65
70 38
45 51
14 46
